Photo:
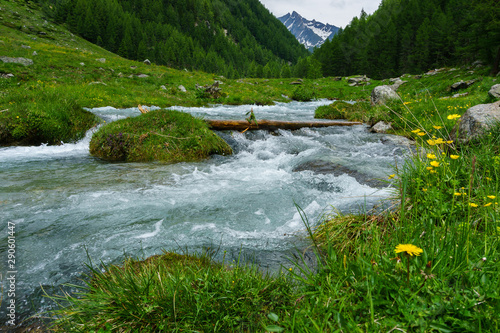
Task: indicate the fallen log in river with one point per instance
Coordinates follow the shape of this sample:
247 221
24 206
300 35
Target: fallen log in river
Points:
243 125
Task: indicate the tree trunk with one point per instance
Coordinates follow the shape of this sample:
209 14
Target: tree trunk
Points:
242 125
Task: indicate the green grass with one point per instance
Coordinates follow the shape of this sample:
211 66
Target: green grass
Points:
174 293
162 135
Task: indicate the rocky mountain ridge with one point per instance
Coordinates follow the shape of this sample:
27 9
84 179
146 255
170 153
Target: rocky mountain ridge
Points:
311 34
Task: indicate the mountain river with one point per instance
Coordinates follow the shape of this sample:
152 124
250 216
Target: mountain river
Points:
66 206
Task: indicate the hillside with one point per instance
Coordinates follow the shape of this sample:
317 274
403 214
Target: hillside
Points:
411 36
227 37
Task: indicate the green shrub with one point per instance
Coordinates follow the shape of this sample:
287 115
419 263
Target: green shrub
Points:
303 94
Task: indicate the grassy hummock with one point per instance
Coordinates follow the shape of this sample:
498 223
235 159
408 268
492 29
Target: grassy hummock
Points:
163 135
174 293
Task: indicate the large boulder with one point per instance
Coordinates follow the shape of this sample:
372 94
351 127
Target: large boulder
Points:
495 91
476 121
383 94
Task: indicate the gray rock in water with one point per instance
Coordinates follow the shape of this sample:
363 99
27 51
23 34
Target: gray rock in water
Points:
22 61
476 121
495 91
381 127
327 167
382 94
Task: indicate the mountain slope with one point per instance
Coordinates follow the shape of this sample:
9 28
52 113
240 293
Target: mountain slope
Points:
228 37
311 34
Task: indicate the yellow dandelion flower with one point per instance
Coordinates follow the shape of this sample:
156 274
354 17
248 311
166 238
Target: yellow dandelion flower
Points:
433 171
491 197
392 176
416 131
453 116
409 249
431 142
454 157
437 127
457 194
421 133
488 178
431 156
472 204
429 168
488 204
435 163
424 190
439 141
449 141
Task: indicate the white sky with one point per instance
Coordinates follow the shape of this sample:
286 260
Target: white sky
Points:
335 12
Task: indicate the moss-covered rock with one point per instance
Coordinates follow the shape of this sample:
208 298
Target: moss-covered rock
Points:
163 135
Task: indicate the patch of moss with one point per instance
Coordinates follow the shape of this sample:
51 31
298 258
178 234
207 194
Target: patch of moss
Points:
163 135
358 111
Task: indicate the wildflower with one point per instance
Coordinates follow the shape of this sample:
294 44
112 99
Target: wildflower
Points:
449 141
409 249
488 204
421 133
453 116
429 168
472 204
424 190
488 178
454 157
435 163
431 142
433 171
437 127
431 156
392 176
416 131
491 197
457 194
439 141
290 269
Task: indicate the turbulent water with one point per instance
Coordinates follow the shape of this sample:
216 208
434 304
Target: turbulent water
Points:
67 205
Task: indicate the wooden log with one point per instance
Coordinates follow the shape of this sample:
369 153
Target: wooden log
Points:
242 125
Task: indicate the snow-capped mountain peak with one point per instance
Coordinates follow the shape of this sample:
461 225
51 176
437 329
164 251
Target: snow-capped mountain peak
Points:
309 33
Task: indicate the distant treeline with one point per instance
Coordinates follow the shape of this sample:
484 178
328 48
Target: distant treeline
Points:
411 36
230 37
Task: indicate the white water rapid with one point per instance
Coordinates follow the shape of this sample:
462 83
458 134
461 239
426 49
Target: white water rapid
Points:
65 203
